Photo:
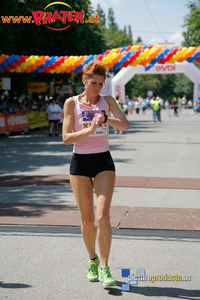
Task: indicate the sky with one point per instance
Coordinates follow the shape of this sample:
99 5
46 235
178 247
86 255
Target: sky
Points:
168 18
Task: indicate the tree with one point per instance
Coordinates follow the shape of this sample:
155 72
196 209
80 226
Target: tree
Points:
183 86
101 15
138 41
192 25
117 37
129 31
111 18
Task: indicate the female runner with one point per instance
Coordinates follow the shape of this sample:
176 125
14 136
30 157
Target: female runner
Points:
85 124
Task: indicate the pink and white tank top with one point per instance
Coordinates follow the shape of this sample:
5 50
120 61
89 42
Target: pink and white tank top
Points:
83 116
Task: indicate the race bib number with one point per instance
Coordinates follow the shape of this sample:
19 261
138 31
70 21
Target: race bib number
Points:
87 117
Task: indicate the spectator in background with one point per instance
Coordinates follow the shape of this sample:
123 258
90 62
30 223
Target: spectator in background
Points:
196 106
130 106
166 104
175 107
137 105
126 99
184 101
190 104
4 105
120 104
148 102
144 106
125 109
155 104
53 112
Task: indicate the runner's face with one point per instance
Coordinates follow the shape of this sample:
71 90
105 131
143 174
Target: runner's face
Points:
94 84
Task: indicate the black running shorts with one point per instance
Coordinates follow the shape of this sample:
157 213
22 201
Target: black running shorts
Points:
91 164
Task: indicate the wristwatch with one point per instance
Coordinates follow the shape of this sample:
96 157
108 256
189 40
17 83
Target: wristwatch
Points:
106 118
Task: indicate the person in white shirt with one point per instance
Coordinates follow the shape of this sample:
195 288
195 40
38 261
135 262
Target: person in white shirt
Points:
184 101
53 111
166 104
190 105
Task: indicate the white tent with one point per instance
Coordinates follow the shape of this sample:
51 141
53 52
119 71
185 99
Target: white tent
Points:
124 75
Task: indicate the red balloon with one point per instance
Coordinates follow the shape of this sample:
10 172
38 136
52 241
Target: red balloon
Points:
18 62
99 57
22 58
13 65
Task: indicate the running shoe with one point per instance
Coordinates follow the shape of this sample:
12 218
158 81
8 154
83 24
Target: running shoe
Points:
106 277
92 274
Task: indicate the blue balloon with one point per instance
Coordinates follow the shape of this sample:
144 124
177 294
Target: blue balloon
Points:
12 57
161 55
38 70
124 58
4 64
48 62
153 61
8 60
197 54
43 66
190 60
166 51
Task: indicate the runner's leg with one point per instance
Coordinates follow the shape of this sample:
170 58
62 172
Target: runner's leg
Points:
82 187
104 186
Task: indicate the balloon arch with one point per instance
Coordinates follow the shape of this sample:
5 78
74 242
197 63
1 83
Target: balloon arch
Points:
142 56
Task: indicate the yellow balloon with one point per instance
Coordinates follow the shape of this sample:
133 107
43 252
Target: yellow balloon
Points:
71 59
147 51
18 69
178 54
134 63
104 60
28 62
142 56
138 60
184 50
23 66
52 71
58 69
67 62
63 67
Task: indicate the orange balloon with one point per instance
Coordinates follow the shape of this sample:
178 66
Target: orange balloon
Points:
42 59
67 70
3 57
33 67
38 62
28 69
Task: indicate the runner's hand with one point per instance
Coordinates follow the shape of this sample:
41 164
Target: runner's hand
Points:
95 122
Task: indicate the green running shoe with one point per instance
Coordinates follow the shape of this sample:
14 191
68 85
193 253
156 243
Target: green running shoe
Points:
106 277
92 274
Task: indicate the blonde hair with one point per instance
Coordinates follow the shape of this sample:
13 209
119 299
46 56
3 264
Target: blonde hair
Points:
95 68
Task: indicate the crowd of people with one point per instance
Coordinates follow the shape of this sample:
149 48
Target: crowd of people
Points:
26 105
137 104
